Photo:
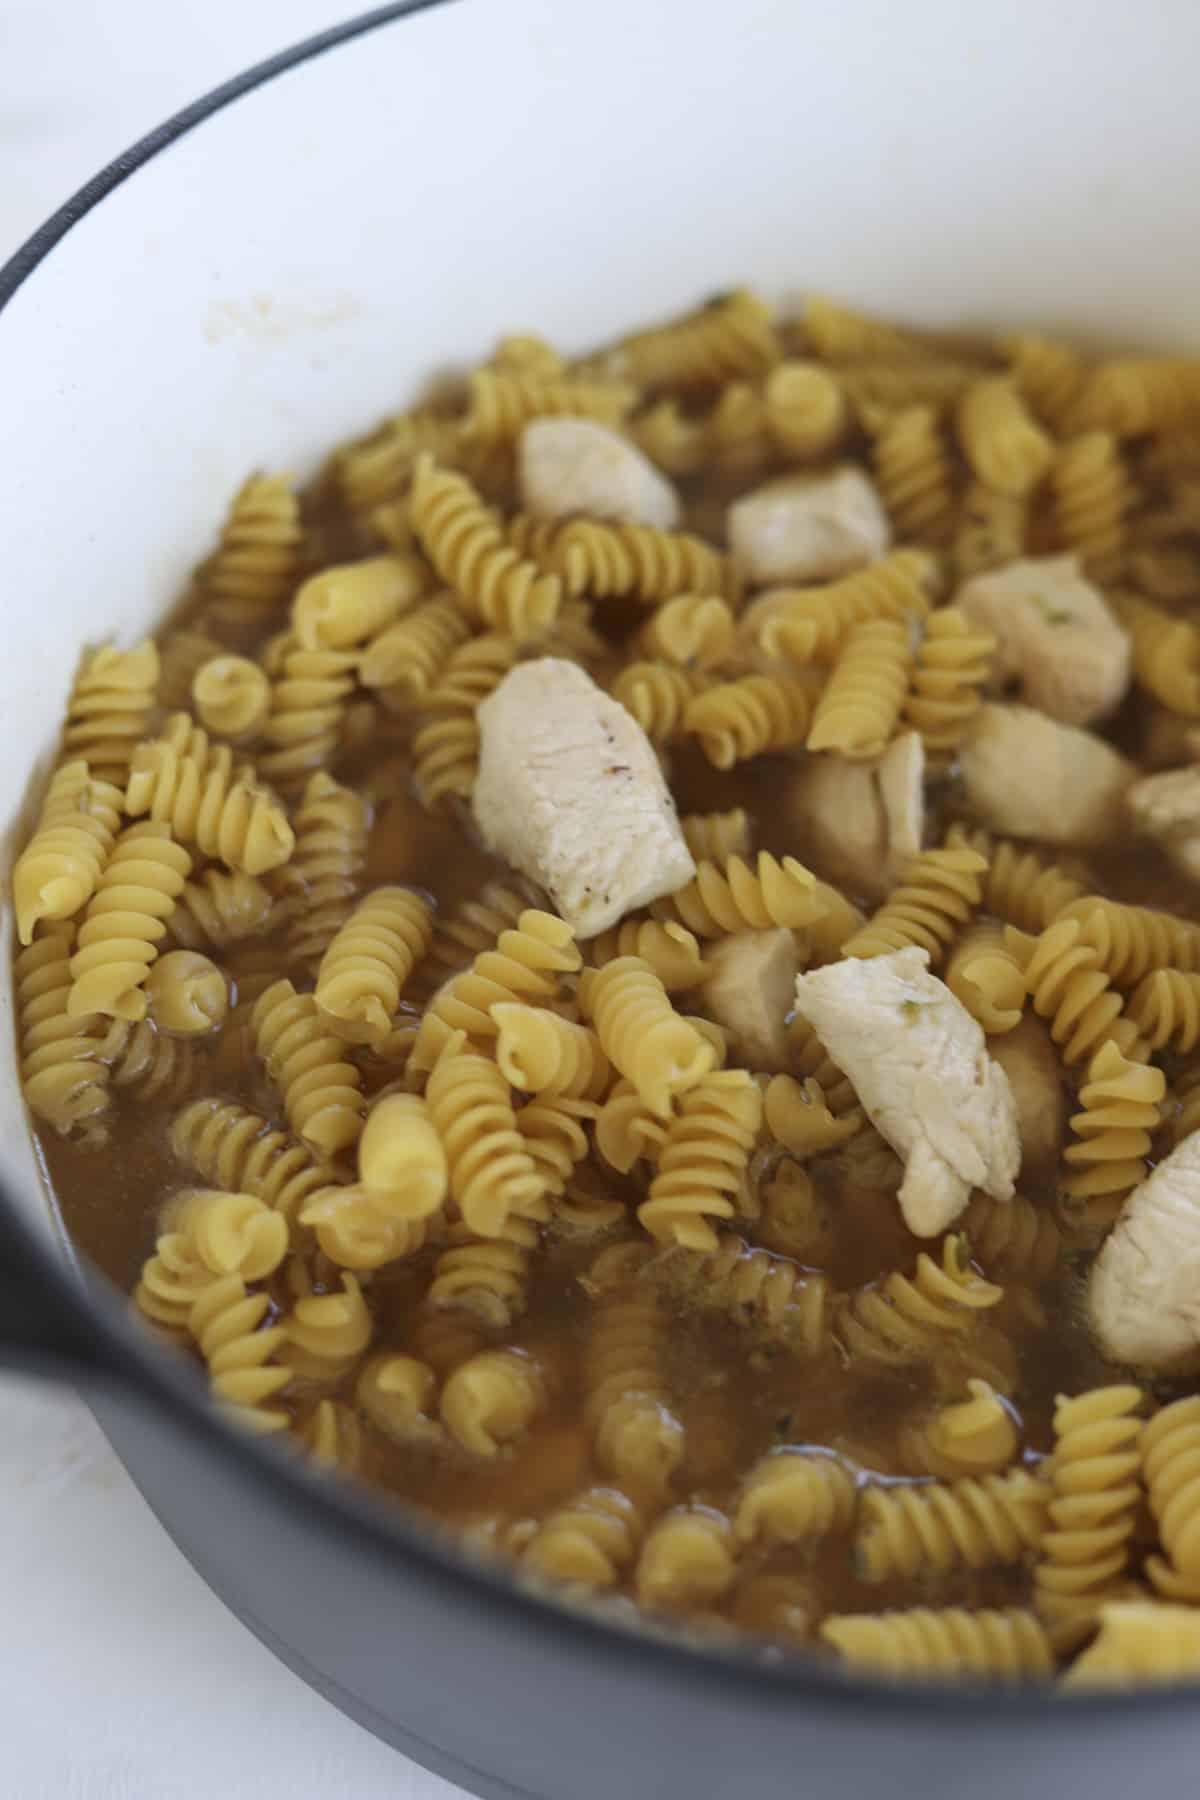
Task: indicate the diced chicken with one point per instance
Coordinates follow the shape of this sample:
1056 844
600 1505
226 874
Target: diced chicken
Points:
809 527
1028 776
577 466
863 822
570 793
1034 1070
1167 808
1055 633
1144 1289
920 1067
750 994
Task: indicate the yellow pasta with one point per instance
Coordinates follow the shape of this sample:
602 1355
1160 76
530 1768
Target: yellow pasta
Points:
991 530
590 1541
525 963
109 709
1050 375
171 1282
504 590
1170 1448
324 1334
308 704
738 897
692 630
640 562
126 919
1166 653
232 696
1165 1008
332 827
983 972
975 1523
182 780
254 567
952 667
446 759
790 1304
638 1439
1001 439
401 1160
687 1561
1092 1510
910 1318
502 402
1091 497
406 659
374 472
975 1436
934 901
915 475
642 1034
1134 394
343 606
187 994
716 836
222 908
147 1064
182 654
239 1151
321 1090
59 868
241 1351
476 925
1139 1642
1020 886
364 970
790 1497
231 1234
1012 1237
551 1127
65 1080
806 411
492 1175
658 696
672 951
1121 1105
731 336
748 717
397 1393
356 1229
626 1129
807 624
704 1159
860 706
486 1277
1003 1645
543 1054
332 1436
841 334
1134 941
491 1399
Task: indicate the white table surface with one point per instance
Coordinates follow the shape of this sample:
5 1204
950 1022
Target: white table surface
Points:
121 1676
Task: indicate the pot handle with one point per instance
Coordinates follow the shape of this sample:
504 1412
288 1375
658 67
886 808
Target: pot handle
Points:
45 1327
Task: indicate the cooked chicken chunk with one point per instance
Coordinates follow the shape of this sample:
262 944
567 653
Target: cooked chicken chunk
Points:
577 466
920 1066
809 527
750 993
1167 808
1028 776
570 793
1144 1290
863 821
1034 1070
1055 633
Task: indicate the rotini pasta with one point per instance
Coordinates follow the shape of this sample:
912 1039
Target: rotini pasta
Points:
790 1496
812 624
805 410
232 697
671 950
397 1393
1121 1104
976 1523
909 1318
975 1436
590 1541
491 1399
1020 886
504 590
364 971
332 827
859 708
704 1159
738 897
64 1076
915 475
181 780
492 1175
241 1351
1139 1641
401 1161
1091 496
639 562
658 696
687 1561
1012 1237
934 901
638 1439
983 972
953 664
692 630
748 717
525 964
59 868
1070 989
1004 1645
254 567
325 1334
308 704
1170 1449
640 1032
222 908
344 606
543 1054
127 918
1001 439
1092 1509
502 402
321 1090
404 662
239 1152
1166 653
109 710
731 336
716 836
187 995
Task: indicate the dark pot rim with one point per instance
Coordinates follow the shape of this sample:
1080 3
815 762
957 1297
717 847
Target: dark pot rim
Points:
75 1325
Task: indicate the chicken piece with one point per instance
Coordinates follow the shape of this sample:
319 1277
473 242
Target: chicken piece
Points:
919 1064
750 992
577 466
1055 633
809 527
1028 776
1167 808
1144 1288
1034 1069
864 821
570 793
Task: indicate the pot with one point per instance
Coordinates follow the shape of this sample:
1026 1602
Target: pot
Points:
274 269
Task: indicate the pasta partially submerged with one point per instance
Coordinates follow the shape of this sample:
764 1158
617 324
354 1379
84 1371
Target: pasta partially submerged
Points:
588 1243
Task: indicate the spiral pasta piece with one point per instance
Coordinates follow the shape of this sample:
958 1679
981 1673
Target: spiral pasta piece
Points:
343 606
1122 1109
242 1353
375 472
182 654
739 897
639 562
171 1281
552 1130
716 836
240 1152
1133 941
364 970
692 631
405 661
492 1399
1050 375
1135 394
254 567
1091 497
222 908
126 919
626 1129
984 973
500 403
543 1054
1170 1448
109 709
935 900
915 475
1020 886
232 696
308 705
805 410
1139 1642
793 1496
325 1334
1165 1008
857 712
492 1175
63 1074
485 1277
1072 991
401 1162
640 1032
748 717
1004 1645
952 666
182 780
1166 653
321 1091
991 530
524 964
671 950
230 1233
842 334
396 1393
357 1228
753 1287
907 1318
731 336
658 696
1001 439
704 1159
188 996
638 1439
59 868
975 1436
503 589
460 936
590 1541
808 624
1012 1237
688 1560
332 1435
1092 1511
332 827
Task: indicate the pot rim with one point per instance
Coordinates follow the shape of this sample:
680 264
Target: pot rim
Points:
123 1351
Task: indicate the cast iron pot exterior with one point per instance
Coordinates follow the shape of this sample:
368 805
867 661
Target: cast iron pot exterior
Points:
488 1683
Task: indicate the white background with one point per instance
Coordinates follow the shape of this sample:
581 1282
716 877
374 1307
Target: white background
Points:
121 1676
